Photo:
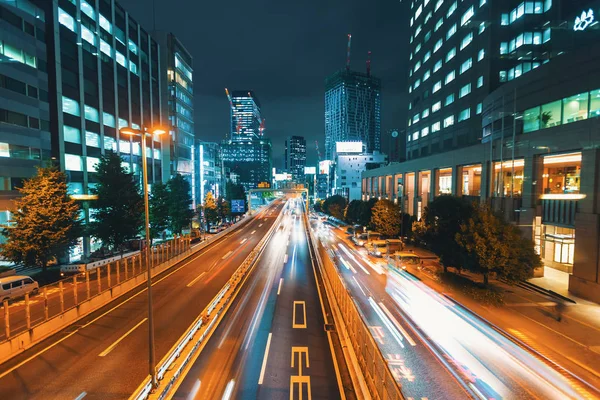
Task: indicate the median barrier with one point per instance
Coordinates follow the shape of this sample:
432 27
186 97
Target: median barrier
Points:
87 294
375 373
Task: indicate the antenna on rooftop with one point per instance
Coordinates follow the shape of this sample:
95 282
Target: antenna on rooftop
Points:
348 53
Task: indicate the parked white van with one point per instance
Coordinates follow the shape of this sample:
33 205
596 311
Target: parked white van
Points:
12 287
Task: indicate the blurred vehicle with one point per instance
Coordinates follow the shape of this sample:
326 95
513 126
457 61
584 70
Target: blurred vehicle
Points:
12 287
213 229
195 235
364 238
402 259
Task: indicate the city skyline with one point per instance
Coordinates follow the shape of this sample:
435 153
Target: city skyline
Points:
290 86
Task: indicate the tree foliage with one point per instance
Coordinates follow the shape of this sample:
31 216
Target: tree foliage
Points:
159 209
180 202
223 208
118 212
318 206
494 245
335 206
210 209
440 223
46 221
385 218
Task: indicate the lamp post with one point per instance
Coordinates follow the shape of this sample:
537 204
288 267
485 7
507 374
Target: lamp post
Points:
142 134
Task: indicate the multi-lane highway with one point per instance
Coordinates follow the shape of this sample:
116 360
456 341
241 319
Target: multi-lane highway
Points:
272 344
105 355
435 348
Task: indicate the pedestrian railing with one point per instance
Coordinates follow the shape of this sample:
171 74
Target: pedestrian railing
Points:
56 298
378 377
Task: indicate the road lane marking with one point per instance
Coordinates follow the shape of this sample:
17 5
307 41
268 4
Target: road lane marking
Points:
81 396
285 259
300 379
252 233
377 333
279 289
386 322
397 324
260 225
228 390
243 241
303 324
195 279
264 363
358 284
227 255
112 346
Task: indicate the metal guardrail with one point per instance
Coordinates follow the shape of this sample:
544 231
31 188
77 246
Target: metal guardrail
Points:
187 347
378 377
59 297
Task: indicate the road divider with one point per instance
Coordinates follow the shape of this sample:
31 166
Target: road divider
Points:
180 358
369 370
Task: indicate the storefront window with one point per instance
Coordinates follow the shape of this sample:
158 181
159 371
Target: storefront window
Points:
562 174
508 179
559 247
551 114
443 184
575 108
471 180
531 119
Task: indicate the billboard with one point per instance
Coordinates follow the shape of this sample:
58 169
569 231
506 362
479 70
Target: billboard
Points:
324 166
238 206
348 147
310 170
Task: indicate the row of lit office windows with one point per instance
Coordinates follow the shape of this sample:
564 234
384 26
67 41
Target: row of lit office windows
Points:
447 122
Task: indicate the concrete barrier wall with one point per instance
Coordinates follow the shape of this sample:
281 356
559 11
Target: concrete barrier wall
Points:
24 340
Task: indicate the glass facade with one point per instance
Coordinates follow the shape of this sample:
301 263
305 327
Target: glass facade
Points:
507 179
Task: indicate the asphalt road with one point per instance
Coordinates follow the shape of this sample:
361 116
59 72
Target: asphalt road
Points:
272 343
105 355
435 348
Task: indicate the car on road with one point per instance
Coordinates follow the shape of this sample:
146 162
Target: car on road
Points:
12 287
213 229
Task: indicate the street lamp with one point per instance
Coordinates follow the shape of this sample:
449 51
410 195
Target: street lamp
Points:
142 134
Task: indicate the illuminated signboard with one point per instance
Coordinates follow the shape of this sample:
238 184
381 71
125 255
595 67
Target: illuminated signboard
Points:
238 206
348 147
264 185
584 21
310 170
324 166
283 177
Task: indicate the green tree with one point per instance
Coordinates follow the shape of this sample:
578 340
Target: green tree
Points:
366 211
223 208
318 206
386 218
335 206
354 211
494 245
210 209
46 221
439 225
180 204
159 209
119 210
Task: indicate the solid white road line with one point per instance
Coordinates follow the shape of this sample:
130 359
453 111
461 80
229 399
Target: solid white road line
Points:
243 241
358 284
397 324
279 288
195 390
112 346
228 390
227 255
264 363
81 396
195 279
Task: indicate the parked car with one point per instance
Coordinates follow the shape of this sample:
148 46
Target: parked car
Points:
213 229
12 287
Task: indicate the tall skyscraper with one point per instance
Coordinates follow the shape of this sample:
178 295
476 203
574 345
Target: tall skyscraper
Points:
103 74
179 99
295 157
246 153
460 51
24 108
352 109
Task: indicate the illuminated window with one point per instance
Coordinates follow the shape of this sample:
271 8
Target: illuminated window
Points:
450 77
438 24
481 28
480 55
92 163
438 45
465 66
121 59
65 19
438 4
465 90
425 113
88 10
451 53
466 17
448 121
451 10
70 106
426 57
91 113
425 131
480 81
479 106
466 40
464 114
436 127
437 66
104 23
105 48
426 75
449 99
92 139
575 108
437 86
73 162
132 47
71 135
451 32
436 107
88 35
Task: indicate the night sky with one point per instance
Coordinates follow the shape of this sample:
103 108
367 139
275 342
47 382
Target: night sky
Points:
283 50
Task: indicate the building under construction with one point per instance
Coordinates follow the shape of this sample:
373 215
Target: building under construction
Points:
352 108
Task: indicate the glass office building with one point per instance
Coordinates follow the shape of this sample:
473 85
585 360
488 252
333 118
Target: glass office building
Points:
246 118
24 107
352 110
180 102
460 51
295 157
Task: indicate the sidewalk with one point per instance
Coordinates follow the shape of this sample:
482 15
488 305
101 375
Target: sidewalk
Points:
573 343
